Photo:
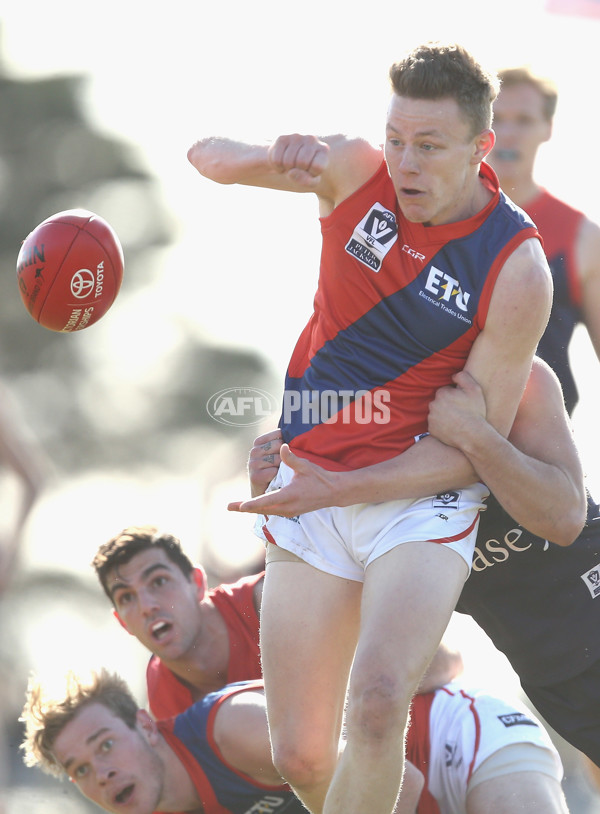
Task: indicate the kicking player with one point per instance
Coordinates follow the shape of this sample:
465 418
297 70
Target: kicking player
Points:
426 268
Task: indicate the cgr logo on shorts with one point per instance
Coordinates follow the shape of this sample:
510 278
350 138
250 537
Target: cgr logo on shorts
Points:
373 237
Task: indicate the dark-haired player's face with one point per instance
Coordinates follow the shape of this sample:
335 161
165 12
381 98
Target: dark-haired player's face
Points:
111 764
157 603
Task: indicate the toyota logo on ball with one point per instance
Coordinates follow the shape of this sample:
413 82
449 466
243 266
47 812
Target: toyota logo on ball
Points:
82 283
241 406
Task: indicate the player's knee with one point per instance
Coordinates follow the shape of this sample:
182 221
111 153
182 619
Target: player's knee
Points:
304 766
378 709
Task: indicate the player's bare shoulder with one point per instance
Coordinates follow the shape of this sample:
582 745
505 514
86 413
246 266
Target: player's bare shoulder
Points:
352 161
526 278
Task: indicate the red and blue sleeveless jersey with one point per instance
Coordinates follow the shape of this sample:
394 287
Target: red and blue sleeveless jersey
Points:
167 695
559 224
222 789
397 309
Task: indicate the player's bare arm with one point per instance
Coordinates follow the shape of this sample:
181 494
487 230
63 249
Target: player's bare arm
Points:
332 167
241 733
500 361
501 356
536 473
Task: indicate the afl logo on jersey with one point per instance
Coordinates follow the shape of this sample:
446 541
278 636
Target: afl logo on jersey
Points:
373 237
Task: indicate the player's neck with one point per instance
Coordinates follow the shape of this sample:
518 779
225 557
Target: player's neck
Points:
179 792
203 668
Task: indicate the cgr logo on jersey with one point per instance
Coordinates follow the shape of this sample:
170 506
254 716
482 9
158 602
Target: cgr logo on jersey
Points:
373 237
447 294
592 581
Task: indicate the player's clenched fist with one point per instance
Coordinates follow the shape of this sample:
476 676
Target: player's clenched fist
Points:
302 158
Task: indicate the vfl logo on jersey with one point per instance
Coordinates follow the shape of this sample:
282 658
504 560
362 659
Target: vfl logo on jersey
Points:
448 500
516 719
592 581
373 237
447 294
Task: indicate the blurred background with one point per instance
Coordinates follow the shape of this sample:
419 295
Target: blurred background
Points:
109 427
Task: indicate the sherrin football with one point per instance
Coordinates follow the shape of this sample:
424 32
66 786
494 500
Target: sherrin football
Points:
69 270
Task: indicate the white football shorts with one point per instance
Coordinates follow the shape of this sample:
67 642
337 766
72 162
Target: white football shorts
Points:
343 541
468 727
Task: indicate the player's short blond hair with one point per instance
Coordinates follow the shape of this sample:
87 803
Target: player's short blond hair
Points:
45 717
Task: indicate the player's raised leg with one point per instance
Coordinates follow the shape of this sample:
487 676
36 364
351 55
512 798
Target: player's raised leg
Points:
408 597
309 630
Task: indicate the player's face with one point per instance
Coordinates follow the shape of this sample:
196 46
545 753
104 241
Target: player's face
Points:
114 766
520 128
157 603
433 160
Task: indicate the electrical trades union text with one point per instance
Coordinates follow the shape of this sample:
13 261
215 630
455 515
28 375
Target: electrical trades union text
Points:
333 406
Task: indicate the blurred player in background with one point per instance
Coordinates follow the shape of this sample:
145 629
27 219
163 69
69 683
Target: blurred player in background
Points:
22 458
22 462
523 116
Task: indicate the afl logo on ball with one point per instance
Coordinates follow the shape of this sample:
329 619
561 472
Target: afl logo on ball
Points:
82 283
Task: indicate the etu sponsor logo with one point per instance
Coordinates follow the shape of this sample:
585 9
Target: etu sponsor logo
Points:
446 288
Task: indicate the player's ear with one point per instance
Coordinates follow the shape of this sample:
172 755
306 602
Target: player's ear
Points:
121 622
483 145
148 726
201 581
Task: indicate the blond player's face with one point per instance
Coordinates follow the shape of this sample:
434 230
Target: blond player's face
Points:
114 766
431 157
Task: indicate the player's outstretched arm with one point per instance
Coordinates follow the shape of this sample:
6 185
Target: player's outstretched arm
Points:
332 167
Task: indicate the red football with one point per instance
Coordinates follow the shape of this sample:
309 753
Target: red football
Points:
69 270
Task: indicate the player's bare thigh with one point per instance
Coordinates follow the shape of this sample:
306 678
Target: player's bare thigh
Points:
408 597
309 629
525 792
518 777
